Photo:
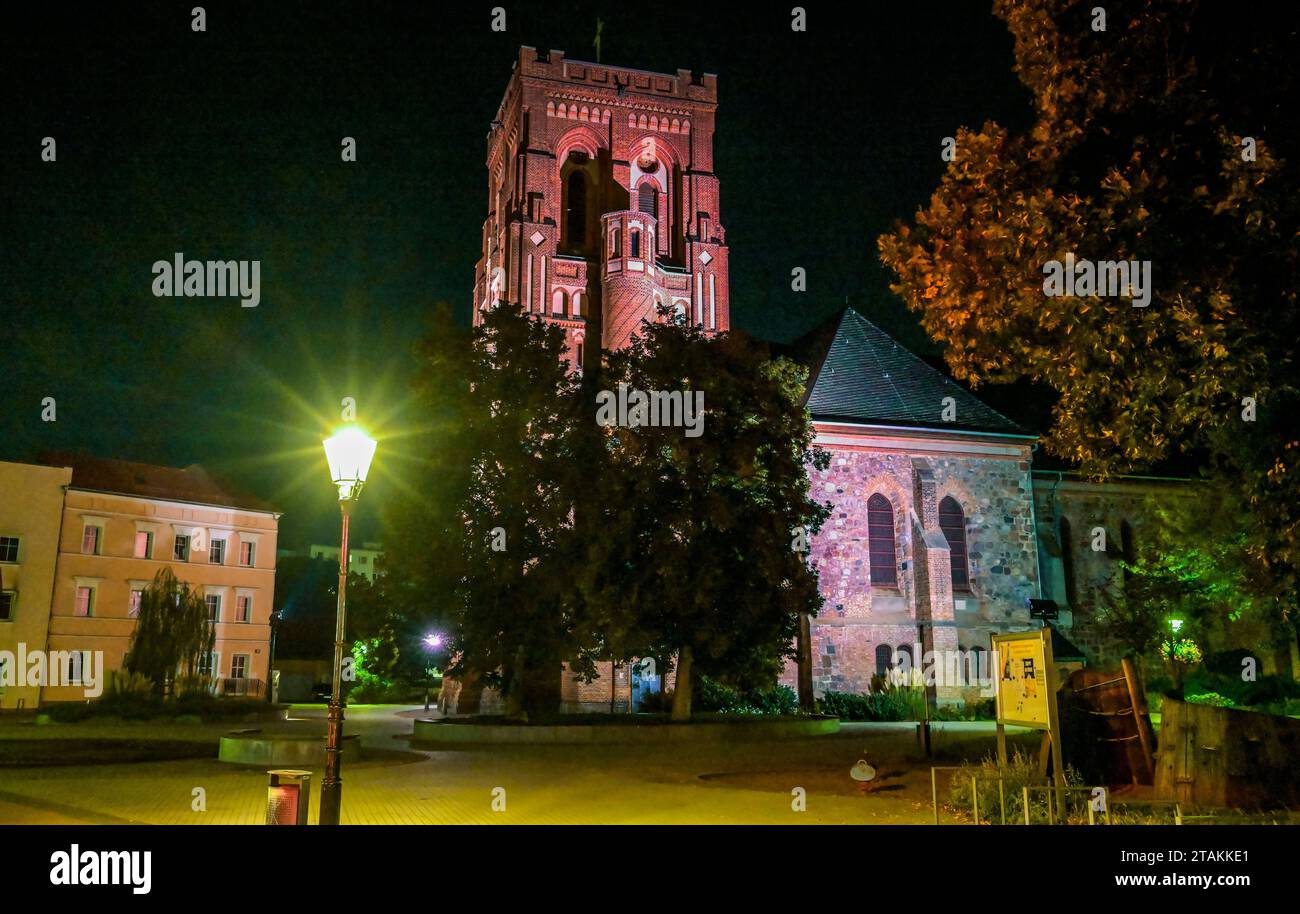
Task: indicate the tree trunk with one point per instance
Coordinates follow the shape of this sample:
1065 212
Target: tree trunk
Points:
682 692
806 698
513 689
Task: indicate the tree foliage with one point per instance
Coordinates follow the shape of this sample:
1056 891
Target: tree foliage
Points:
484 540
692 537
172 634
1200 566
1140 150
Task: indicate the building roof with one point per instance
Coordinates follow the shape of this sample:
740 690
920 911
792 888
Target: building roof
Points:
192 484
858 373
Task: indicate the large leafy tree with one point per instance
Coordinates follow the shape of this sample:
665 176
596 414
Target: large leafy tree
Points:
172 634
1169 137
484 539
694 551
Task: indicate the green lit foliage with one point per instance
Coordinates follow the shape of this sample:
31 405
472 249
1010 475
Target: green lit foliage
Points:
1136 153
1199 565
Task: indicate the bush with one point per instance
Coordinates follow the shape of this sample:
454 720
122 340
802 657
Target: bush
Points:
890 703
1211 698
1263 691
983 709
716 697
374 691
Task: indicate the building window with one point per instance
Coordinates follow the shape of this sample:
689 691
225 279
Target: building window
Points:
217 552
953 524
880 541
248 554
72 668
647 200
243 608
207 663
143 544
575 212
558 302
7 600
903 658
133 606
884 659
239 666
91 535
214 607
616 242
635 239
8 549
181 548
85 601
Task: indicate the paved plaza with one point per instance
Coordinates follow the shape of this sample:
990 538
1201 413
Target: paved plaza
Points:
398 784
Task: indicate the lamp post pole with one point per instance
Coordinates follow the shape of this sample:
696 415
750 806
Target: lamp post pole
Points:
331 789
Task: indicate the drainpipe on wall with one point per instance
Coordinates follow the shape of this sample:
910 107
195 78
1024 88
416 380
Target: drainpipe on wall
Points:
54 583
1033 520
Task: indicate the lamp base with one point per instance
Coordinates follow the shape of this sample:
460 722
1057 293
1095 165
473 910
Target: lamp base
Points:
331 801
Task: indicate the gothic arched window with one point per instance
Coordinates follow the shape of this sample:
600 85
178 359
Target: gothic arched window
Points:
953 524
558 301
880 541
884 659
575 210
634 243
647 200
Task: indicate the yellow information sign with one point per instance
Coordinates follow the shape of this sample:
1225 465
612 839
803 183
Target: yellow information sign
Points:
1024 686
1026 697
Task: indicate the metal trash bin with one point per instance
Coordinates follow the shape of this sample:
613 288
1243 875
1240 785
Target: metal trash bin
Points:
288 796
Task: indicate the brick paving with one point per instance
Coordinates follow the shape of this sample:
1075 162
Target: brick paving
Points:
715 783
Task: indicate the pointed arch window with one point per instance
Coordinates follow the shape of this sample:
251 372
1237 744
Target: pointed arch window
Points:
647 199
952 521
575 212
634 243
880 541
884 659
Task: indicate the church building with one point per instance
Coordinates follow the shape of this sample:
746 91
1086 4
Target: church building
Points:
603 207
602 202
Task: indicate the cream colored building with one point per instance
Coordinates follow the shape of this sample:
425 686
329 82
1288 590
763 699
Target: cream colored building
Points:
30 512
362 559
120 524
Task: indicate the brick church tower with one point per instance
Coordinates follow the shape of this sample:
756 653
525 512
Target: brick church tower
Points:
602 202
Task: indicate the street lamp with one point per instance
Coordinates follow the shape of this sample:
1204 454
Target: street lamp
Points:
349 453
432 642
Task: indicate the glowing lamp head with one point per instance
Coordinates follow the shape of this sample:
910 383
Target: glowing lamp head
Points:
433 642
1176 625
349 452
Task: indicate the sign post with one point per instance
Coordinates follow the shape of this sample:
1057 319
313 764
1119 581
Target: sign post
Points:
1026 697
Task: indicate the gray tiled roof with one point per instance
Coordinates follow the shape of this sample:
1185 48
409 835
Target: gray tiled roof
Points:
858 373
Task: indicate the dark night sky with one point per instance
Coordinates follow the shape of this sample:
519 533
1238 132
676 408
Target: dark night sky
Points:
225 145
